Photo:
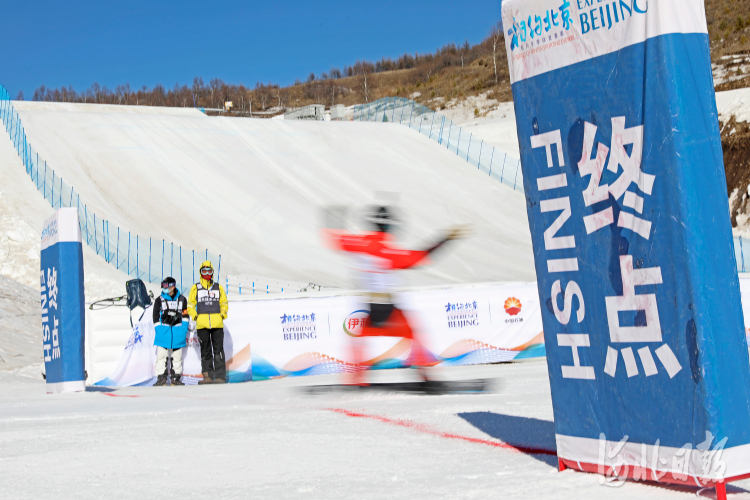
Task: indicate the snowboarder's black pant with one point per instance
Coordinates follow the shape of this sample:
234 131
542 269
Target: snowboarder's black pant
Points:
212 352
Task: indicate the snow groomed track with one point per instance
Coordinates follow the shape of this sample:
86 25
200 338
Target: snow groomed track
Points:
139 259
253 190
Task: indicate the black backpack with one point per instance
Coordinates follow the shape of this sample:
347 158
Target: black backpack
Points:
137 296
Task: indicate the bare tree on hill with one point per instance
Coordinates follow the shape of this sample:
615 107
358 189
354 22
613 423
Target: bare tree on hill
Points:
214 87
197 89
496 39
363 70
282 96
317 91
262 94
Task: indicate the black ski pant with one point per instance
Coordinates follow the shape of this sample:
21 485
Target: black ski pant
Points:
212 352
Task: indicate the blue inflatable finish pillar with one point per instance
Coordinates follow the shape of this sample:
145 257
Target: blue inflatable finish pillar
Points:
62 302
627 202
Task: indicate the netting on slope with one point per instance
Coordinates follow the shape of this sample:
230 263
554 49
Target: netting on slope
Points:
139 257
437 127
488 159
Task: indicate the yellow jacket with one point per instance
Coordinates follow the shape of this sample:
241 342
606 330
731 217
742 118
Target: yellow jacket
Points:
207 320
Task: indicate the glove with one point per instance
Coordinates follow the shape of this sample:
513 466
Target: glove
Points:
191 326
459 232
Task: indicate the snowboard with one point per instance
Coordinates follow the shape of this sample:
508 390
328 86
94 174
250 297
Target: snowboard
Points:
429 387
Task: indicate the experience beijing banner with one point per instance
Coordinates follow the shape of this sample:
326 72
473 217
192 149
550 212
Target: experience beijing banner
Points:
628 211
62 301
309 336
458 326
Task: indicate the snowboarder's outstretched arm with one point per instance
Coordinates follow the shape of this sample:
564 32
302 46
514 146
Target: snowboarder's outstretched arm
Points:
455 233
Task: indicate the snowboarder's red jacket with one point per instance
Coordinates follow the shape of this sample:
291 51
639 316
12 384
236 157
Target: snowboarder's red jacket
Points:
376 257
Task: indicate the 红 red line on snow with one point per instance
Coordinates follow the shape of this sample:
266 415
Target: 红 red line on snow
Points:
448 435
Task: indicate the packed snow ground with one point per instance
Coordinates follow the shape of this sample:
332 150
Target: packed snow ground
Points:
270 440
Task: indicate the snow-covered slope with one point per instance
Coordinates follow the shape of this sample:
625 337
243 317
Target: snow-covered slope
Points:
23 210
21 326
253 190
497 127
734 103
497 123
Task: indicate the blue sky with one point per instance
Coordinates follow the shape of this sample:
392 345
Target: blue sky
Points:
143 43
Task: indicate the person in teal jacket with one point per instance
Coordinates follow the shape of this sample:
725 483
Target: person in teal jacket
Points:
171 331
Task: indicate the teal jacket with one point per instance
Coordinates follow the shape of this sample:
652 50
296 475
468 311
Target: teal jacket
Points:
170 337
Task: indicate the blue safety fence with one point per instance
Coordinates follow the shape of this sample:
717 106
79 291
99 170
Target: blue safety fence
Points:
138 256
439 128
742 254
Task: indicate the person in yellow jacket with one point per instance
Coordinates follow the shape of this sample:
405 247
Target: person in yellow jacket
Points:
208 306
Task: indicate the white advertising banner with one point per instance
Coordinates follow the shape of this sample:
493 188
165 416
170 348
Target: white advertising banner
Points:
314 335
138 360
310 336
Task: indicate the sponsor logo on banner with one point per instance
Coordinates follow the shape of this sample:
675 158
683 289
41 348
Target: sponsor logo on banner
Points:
594 17
463 314
135 338
298 326
355 322
541 31
512 308
192 341
50 230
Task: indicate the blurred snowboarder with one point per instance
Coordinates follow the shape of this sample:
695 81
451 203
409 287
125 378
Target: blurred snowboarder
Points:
377 257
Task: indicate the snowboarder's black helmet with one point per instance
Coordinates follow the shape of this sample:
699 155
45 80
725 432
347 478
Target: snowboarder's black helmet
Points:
382 219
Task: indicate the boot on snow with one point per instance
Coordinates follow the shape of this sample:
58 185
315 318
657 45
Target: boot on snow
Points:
219 380
206 379
176 380
160 380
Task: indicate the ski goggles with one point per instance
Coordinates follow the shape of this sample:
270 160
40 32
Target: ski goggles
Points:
167 284
207 271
